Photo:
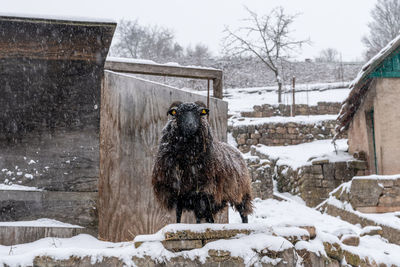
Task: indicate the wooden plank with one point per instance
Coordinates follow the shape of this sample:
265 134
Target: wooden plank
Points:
77 208
170 71
133 113
13 235
55 39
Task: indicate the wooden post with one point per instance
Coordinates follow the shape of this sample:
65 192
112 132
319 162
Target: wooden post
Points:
208 93
294 98
217 87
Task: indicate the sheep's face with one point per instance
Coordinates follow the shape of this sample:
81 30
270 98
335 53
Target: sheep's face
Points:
188 117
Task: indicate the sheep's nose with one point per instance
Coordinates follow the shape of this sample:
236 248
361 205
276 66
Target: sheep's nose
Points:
189 124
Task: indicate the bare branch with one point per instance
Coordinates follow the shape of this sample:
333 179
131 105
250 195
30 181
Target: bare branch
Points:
266 37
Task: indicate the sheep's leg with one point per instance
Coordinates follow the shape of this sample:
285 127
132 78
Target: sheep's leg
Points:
198 215
210 218
240 208
244 218
178 213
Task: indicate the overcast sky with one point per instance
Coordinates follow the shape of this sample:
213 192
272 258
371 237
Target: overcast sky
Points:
338 24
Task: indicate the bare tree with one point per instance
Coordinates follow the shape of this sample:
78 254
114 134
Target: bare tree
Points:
328 55
267 37
199 54
147 42
384 27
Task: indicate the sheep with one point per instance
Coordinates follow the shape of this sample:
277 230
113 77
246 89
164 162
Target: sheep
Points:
195 172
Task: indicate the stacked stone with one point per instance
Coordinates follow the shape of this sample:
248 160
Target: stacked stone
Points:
370 194
267 110
313 181
316 181
281 134
261 177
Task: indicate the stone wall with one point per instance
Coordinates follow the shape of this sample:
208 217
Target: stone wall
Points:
266 110
261 177
314 181
281 134
372 194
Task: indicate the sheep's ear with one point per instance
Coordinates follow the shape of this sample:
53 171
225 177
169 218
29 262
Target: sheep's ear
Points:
175 104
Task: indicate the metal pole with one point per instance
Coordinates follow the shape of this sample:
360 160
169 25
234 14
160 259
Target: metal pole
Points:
294 99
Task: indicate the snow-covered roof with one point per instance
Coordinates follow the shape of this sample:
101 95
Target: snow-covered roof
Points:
151 62
360 85
53 18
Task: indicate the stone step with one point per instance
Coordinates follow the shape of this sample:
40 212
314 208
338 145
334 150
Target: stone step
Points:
13 235
390 233
77 208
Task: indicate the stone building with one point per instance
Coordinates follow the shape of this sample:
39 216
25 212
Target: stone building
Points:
371 112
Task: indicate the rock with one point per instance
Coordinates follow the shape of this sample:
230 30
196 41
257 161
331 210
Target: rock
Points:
354 259
357 164
365 193
311 259
319 161
207 234
311 230
351 240
292 234
371 230
180 245
333 250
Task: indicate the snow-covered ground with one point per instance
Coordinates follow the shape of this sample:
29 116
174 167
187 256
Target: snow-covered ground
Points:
234 121
270 214
298 155
243 99
284 213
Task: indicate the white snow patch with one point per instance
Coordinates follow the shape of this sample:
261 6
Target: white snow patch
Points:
151 62
54 17
44 222
377 177
28 175
279 119
19 187
296 156
244 99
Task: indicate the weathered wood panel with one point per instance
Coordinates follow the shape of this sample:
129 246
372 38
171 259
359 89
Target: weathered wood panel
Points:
50 80
54 39
50 114
59 161
13 235
70 207
133 113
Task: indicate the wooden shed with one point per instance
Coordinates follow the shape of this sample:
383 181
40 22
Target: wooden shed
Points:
78 142
51 72
371 112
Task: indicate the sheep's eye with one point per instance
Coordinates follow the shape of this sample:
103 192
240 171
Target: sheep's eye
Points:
204 111
172 112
